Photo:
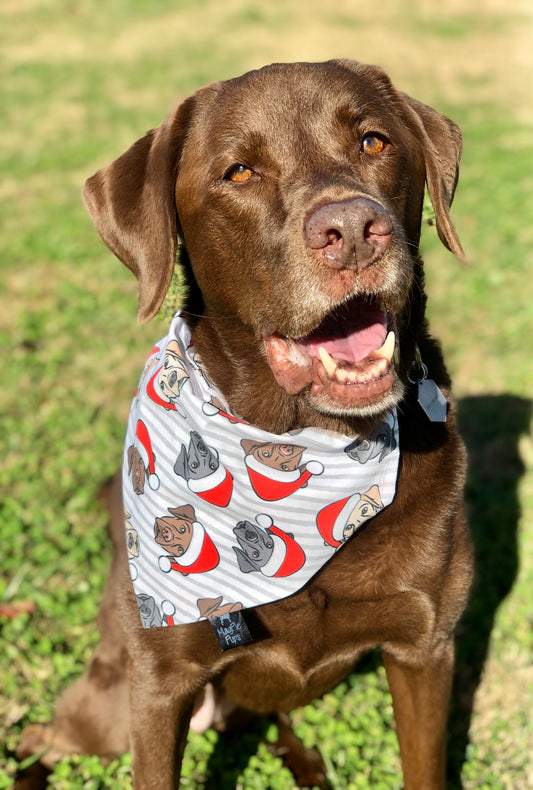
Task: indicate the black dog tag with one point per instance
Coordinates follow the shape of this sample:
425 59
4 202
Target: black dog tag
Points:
231 630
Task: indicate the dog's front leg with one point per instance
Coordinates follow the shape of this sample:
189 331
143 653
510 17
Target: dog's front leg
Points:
420 695
161 708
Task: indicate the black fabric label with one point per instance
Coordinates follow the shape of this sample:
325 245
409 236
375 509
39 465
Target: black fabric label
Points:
231 630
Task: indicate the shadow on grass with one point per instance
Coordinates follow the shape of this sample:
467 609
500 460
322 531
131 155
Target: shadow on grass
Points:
491 427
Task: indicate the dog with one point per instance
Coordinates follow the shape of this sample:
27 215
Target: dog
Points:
379 443
294 194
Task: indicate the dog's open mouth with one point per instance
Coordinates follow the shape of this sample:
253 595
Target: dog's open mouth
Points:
347 362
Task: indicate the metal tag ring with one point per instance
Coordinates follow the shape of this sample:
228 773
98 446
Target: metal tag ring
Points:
423 369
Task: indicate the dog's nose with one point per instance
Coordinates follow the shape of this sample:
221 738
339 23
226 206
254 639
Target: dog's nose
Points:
349 234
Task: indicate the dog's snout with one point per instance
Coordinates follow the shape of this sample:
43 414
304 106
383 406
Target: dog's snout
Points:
349 234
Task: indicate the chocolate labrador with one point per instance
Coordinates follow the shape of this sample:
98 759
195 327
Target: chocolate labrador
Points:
293 197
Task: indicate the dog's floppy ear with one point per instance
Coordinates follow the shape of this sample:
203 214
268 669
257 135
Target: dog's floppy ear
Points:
442 147
245 564
132 205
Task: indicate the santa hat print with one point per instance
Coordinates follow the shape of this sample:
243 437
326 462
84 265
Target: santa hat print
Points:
216 488
272 484
154 395
287 555
200 556
212 408
169 610
332 519
144 446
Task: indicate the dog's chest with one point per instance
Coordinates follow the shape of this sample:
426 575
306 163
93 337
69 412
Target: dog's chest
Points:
223 516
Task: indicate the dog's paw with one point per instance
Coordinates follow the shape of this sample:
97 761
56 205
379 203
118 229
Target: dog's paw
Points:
38 741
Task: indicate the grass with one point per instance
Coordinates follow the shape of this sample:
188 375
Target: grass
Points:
78 84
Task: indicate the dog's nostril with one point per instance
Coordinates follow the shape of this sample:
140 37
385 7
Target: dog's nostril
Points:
378 226
333 237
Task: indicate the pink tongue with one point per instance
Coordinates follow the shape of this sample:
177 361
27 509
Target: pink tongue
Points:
349 339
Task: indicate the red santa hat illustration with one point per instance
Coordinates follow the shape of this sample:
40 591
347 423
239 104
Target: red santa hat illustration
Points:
287 555
273 484
154 395
216 488
212 408
169 610
144 446
331 521
200 556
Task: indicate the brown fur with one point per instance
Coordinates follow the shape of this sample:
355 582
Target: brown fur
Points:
400 584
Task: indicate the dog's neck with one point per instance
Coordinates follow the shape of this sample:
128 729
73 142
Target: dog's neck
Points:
234 359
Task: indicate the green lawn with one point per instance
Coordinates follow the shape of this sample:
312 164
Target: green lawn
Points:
79 82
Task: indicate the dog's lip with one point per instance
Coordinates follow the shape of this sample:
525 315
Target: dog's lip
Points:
348 357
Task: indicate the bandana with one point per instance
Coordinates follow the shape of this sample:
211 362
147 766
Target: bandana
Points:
223 516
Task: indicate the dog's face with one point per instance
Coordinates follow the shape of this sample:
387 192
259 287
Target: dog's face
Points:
175 532
150 615
132 542
136 469
256 546
285 457
298 191
173 376
198 461
380 443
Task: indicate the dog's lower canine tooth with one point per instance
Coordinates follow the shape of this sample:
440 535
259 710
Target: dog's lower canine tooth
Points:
328 362
387 349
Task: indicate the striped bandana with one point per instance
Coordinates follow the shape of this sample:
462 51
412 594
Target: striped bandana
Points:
222 516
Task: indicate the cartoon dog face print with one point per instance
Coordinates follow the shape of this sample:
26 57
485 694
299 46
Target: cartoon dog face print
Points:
197 461
265 548
150 614
284 457
141 460
275 469
379 444
132 538
338 521
174 532
255 546
200 467
189 547
173 374
136 469
367 506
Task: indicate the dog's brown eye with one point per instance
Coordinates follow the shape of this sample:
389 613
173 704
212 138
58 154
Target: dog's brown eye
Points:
239 174
374 144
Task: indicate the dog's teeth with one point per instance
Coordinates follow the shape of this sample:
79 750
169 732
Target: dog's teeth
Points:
387 349
328 361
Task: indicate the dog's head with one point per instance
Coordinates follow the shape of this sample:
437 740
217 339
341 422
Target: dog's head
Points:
175 532
297 192
136 469
198 461
150 615
284 457
174 375
256 546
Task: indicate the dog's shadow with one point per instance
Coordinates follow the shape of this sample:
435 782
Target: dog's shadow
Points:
491 427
